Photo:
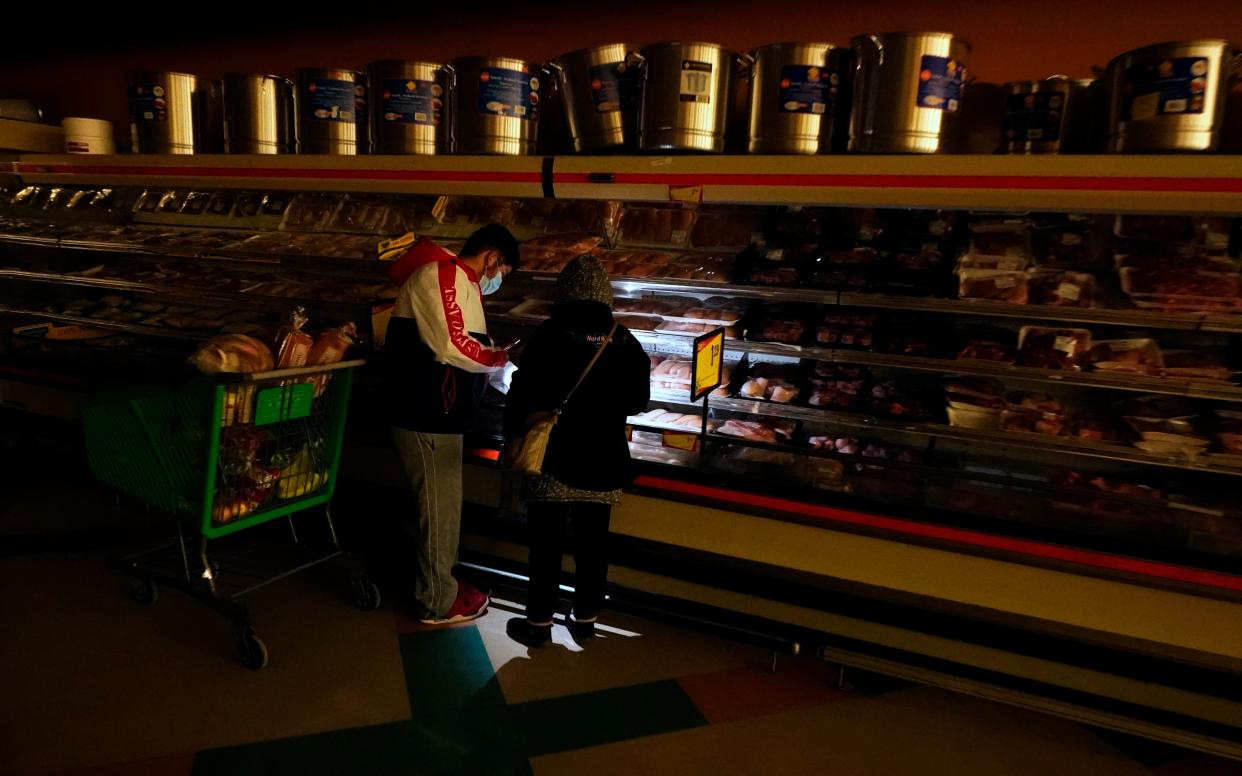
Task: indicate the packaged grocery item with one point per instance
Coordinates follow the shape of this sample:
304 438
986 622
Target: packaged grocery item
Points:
1179 290
985 347
1000 238
979 261
974 392
992 284
895 399
766 430
724 227
1046 348
1035 413
1196 364
292 344
983 418
844 270
784 323
1141 356
656 225
779 383
331 345
235 353
1061 288
844 328
1069 246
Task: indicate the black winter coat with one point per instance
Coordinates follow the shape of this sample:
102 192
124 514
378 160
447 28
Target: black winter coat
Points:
588 449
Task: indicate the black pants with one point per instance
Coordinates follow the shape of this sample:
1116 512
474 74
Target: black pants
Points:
547 522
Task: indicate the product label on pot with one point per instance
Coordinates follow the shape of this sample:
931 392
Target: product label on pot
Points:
614 86
940 83
330 100
410 101
1167 87
360 103
504 92
1034 116
148 102
808 89
696 81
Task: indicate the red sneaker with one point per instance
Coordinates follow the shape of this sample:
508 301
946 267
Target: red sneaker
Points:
470 604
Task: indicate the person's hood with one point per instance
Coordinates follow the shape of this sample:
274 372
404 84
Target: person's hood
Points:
420 254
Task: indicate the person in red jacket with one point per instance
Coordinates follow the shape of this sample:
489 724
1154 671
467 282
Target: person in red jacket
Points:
437 360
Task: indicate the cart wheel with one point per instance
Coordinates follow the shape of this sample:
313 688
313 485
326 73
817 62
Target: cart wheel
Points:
366 593
250 648
143 591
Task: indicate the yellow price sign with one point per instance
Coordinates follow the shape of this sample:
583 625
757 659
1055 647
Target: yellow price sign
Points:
677 441
708 357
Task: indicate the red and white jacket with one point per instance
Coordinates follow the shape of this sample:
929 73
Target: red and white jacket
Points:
443 297
437 352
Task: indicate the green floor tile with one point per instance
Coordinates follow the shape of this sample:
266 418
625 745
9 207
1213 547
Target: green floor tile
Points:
591 719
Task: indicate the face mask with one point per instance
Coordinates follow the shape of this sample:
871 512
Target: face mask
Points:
490 285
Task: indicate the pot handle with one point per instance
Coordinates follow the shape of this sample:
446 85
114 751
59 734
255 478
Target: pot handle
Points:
879 47
550 71
743 66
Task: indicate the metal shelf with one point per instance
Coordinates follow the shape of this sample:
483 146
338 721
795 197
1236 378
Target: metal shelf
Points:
1199 185
1135 383
273 302
94 323
1230 465
489 176
1194 184
1200 321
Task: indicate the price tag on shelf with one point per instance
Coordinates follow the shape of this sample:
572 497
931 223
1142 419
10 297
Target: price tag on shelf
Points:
685 193
708 363
679 441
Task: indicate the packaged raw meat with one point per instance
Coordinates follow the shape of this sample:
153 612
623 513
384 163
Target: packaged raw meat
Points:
1095 430
1033 423
1196 364
974 392
1061 288
1046 348
993 284
1037 403
571 243
1141 356
731 227
1180 290
232 353
987 350
1000 239
664 226
775 275
759 431
978 261
1065 247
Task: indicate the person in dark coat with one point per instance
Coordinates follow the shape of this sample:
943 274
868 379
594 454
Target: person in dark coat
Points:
588 458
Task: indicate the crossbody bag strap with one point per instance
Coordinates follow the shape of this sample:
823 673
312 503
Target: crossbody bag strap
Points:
598 352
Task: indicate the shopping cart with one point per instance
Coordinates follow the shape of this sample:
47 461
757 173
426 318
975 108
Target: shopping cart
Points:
223 455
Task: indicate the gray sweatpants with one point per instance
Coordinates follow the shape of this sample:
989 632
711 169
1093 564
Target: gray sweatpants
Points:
433 464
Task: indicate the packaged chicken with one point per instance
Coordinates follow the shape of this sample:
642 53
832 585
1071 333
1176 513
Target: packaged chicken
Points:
767 430
1196 364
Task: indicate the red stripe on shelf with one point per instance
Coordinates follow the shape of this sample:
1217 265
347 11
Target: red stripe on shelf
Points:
873 181
974 538
484 176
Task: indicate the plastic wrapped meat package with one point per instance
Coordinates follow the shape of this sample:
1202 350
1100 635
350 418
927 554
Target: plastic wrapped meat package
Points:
770 430
1061 288
1006 237
782 323
1048 348
996 285
724 227
837 386
1179 290
1197 364
1034 413
1164 425
899 400
666 419
780 383
309 213
1138 356
646 225
840 270
845 328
